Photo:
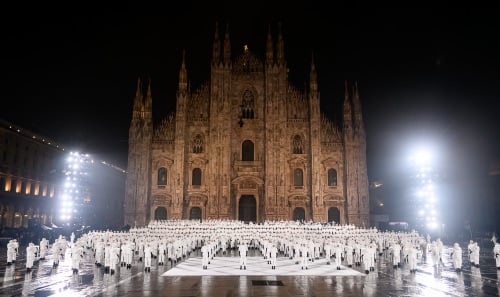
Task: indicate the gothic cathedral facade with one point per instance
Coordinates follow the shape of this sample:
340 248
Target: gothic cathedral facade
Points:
247 145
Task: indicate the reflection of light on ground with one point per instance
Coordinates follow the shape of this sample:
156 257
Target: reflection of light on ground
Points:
68 293
257 266
434 284
476 280
370 285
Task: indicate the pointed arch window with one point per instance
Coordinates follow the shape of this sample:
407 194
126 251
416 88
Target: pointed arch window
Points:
298 177
198 144
332 177
247 150
162 176
247 104
297 144
196 177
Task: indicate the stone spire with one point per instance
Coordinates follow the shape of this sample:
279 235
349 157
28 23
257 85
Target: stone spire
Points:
216 46
269 48
183 75
227 47
280 48
358 116
347 114
313 77
137 100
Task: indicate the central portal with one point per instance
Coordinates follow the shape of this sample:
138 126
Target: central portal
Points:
247 210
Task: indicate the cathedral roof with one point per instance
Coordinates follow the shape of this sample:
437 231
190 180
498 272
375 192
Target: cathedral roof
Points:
247 62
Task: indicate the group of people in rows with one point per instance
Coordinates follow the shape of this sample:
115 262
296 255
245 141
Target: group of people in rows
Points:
39 252
304 243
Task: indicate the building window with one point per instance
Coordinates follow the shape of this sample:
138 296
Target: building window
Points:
298 178
37 188
297 144
247 150
162 176
18 184
198 144
27 187
332 177
247 105
196 178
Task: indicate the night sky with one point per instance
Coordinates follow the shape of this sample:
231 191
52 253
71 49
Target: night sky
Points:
426 77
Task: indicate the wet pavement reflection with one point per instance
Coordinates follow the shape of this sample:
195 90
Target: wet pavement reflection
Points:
429 280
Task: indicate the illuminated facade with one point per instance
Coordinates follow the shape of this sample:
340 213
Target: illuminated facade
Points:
247 145
28 179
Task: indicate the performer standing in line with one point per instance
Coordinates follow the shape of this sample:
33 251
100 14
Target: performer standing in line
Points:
204 254
469 249
456 255
30 256
274 253
496 254
11 251
475 254
243 250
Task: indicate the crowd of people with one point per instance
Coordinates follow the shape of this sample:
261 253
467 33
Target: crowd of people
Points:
174 240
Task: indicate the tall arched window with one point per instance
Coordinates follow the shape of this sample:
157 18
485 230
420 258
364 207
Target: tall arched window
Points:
332 177
196 178
247 150
198 144
297 144
247 105
162 176
298 177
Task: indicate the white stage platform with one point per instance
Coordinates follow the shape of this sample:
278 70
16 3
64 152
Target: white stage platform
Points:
224 266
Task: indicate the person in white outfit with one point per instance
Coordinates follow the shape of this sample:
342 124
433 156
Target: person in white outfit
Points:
475 254
30 256
115 257
162 246
243 250
56 254
338 250
148 254
328 252
11 251
274 253
412 258
469 249
303 257
496 254
205 255
456 256
44 247
435 254
107 258
76 257
396 255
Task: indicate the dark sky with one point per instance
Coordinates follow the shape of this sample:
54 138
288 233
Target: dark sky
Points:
426 76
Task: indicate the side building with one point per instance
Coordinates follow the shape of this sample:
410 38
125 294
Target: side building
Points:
28 177
44 185
247 145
